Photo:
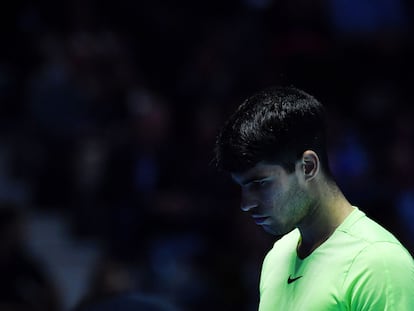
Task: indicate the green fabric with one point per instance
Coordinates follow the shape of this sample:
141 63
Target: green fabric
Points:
360 267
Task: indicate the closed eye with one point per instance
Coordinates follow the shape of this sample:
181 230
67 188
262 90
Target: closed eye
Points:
260 183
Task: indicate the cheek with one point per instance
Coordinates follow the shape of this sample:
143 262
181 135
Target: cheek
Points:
275 196
286 202
277 201
299 203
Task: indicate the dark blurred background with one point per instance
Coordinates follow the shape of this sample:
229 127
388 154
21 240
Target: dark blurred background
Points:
108 117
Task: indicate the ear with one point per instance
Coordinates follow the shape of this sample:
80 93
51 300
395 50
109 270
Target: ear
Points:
310 164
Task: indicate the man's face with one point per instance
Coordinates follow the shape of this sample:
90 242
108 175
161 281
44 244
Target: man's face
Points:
274 198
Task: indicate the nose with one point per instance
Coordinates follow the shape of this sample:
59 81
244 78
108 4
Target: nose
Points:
247 202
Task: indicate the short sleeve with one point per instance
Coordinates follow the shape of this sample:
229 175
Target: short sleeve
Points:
381 277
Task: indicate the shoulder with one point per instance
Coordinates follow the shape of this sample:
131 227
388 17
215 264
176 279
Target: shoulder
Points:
380 271
361 227
378 255
364 240
383 256
381 277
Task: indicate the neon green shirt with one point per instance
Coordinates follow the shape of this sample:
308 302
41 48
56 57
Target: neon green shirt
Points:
360 267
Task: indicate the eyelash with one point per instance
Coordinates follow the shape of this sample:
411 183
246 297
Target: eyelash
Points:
260 183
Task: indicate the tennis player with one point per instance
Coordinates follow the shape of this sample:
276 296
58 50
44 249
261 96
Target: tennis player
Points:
330 255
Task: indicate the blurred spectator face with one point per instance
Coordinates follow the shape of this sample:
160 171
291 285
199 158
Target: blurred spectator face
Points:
150 118
110 278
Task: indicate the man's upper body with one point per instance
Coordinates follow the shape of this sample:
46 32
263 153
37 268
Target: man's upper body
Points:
330 255
360 267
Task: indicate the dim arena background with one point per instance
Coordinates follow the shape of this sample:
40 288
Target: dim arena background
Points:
109 113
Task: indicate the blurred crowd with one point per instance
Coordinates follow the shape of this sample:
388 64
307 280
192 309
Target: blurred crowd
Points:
109 113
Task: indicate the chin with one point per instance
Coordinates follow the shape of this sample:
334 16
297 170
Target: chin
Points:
272 231
276 232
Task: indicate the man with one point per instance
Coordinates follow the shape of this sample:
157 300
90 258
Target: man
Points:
331 256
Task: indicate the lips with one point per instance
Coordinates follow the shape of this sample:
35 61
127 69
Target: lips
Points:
259 220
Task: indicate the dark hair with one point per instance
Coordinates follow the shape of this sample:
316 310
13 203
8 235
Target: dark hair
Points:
275 125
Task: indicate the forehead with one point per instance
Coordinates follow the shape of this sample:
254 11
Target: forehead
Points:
259 171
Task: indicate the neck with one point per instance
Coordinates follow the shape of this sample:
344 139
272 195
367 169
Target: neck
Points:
328 212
